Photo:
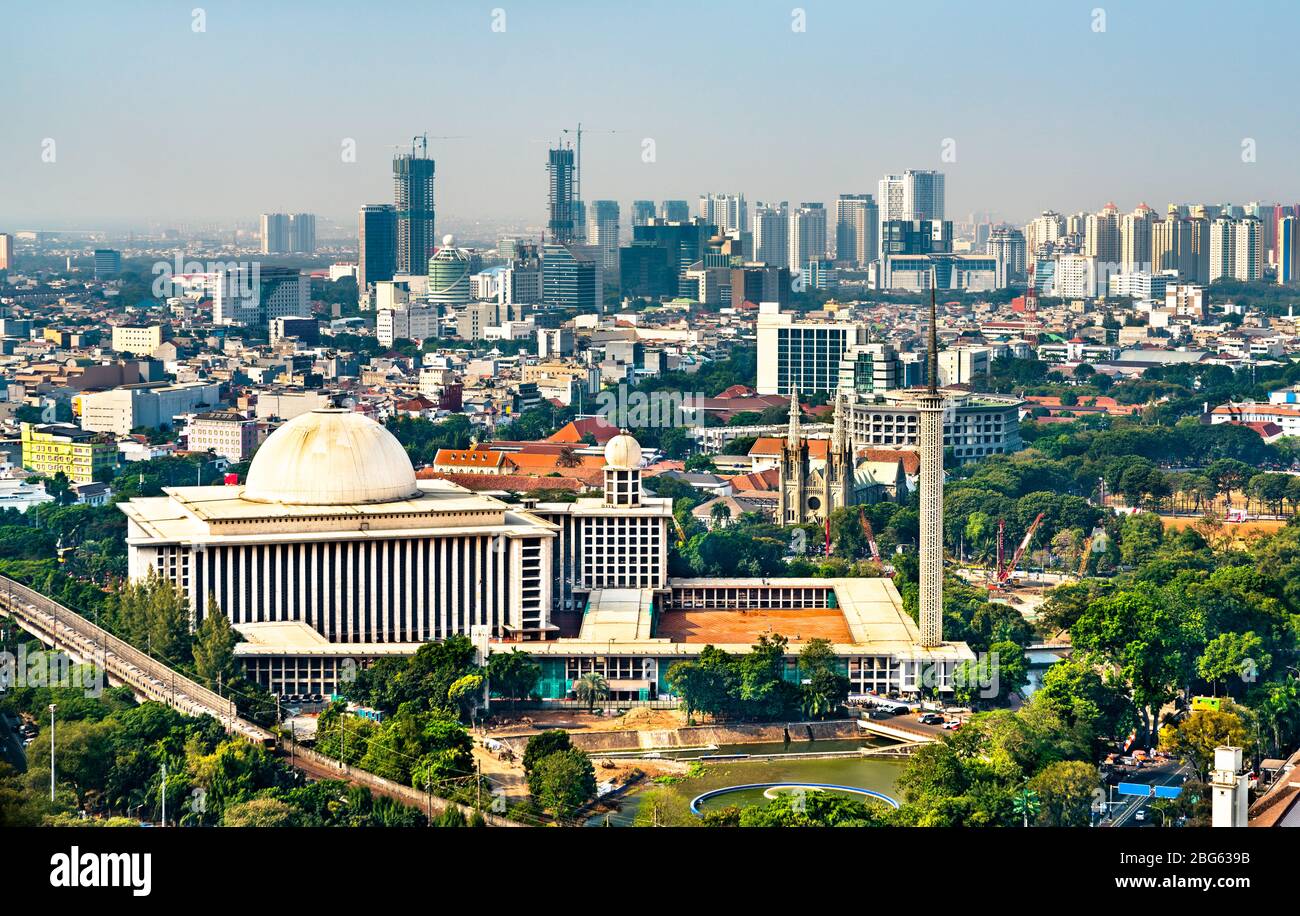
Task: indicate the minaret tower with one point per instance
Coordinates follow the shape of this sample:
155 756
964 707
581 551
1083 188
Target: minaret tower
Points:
931 409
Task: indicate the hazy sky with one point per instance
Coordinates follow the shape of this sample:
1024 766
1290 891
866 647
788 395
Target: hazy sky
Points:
155 122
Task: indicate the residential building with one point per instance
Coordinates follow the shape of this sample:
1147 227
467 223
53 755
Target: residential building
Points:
79 454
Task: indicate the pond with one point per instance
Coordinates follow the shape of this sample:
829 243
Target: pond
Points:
879 774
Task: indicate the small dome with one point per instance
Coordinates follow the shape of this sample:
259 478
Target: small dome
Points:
330 457
623 452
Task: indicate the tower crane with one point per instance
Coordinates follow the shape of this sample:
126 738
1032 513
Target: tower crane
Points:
577 172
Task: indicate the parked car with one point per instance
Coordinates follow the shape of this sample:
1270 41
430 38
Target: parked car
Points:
930 718
953 725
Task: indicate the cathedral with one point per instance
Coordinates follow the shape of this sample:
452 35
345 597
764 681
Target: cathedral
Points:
812 487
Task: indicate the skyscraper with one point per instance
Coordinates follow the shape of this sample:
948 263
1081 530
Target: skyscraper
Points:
807 235
302 233
772 235
931 406
923 194
449 272
602 232
6 251
413 201
1101 235
377 258
561 222
675 211
1007 246
275 233
726 211
108 263
570 278
856 225
643 211
1288 258
1135 239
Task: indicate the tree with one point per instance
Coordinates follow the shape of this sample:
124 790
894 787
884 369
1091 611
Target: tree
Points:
214 647
563 782
1195 738
260 812
1233 655
1066 791
591 689
549 742
513 674
823 689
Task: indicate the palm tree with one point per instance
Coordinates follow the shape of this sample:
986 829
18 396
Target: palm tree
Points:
591 688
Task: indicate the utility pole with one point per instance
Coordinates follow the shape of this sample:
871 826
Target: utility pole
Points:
52 708
163 789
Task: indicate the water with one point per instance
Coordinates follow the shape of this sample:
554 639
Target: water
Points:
877 773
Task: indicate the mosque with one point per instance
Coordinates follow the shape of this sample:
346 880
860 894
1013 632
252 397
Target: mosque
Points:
332 555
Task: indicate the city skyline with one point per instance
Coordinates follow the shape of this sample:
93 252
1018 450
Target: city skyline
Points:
216 147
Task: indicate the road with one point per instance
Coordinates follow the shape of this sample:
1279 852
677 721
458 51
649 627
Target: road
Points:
1127 806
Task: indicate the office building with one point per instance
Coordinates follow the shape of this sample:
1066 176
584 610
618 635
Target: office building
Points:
414 204
252 296
571 278
83 456
561 197
449 273
138 340
108 263
602 234
643 212
145 405
302 233
1288 254
6 251
803 354
760 283
675 211
377 226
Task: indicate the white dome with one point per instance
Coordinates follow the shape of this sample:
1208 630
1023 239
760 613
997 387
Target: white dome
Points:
330 457
623 452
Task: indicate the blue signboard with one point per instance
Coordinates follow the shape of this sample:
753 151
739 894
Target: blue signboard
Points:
1133 788
1168 791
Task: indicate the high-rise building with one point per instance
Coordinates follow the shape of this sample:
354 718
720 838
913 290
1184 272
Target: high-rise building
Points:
108 263
602 232
1007 246
726 211
275 233
449 271
857 222
1288 254
571 278
771 235
675 211
1135 239
6 251
685 242
251 297
413 201
302 233
915 236
1044 229
1101 235
923 194
521 282
377 227
562 217
643 212
807 235
1248 259
1223 249
804 354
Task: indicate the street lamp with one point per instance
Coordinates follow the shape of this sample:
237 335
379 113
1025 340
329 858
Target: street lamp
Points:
52 708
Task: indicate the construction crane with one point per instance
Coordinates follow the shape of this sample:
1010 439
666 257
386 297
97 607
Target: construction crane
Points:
1004 575
681 532
871 535
422 142
577 170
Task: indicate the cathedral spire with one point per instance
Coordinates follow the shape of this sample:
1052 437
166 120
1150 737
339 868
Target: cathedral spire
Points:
794 437
838 429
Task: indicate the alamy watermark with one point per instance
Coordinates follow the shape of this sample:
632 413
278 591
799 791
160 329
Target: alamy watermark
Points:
37 668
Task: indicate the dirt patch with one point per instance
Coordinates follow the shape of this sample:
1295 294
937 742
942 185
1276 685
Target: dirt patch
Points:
745 626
